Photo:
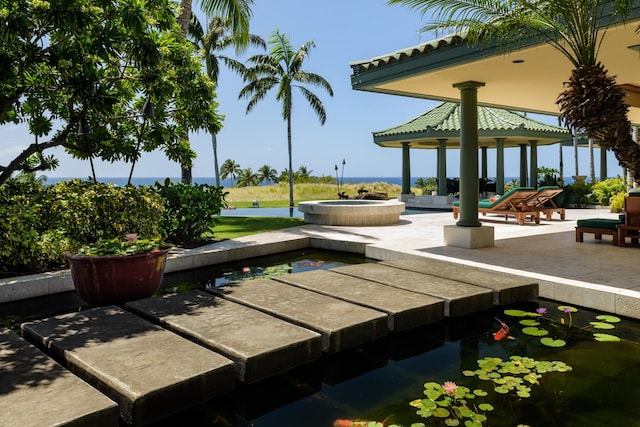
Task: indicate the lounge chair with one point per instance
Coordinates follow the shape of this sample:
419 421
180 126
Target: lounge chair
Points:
599 226
543 201
512 203
631 226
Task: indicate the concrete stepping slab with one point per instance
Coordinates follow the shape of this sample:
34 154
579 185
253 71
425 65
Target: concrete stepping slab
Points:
261 345
342 324
459 298
149 371
405 309
507 288
36 391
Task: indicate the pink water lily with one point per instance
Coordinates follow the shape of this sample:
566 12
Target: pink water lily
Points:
449 387
541 310
246 270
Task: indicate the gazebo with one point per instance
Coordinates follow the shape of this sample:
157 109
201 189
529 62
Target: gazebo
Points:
439 128
528 78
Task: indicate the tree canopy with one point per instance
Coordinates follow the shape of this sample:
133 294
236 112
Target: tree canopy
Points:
82 72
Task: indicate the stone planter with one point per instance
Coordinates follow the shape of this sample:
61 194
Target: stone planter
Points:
102 280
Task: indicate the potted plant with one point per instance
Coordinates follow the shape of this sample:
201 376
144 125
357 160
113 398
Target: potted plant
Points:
117 270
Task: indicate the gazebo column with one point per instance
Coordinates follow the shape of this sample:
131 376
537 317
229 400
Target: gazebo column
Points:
523 165
468 231
533 171
442 167
406 173
603 163
500 165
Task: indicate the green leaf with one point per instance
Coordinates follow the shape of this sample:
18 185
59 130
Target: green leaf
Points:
536 332
602 325
568 308
502 389
550 342
480 392
485 407
451 422
440 413
608 318
605 337
472 423
517 313
529 322
468 373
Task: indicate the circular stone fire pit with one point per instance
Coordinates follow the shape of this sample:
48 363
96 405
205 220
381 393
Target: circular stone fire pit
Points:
352 212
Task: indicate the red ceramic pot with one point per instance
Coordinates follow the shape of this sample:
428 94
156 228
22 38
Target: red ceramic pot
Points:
102 280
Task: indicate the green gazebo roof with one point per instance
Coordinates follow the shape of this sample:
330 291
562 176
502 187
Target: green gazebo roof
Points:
443 122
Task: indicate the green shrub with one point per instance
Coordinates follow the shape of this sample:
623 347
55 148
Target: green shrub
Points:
189 210
87 211
604 190
617 202
576 195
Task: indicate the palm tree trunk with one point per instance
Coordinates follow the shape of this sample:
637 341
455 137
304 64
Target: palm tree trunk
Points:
214 144
290 163
183 20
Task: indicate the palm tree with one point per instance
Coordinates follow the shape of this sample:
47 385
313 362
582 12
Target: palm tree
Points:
247 178
591 102
268 174
218 39
281 68
238 12
230 168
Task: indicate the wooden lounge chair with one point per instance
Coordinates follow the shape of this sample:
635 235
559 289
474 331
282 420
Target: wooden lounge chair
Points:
543 201
631 226
512 203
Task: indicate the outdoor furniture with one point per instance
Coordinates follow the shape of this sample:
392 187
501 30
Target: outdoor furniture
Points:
543 201
631 226
599 226
512 203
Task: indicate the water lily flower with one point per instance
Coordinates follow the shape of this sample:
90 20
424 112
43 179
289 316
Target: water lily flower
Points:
131 237
246 270
541 310
449 387
567 310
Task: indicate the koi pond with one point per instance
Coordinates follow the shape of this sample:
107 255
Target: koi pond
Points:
540 363
537 364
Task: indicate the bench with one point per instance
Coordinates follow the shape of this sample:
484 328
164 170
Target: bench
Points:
599 226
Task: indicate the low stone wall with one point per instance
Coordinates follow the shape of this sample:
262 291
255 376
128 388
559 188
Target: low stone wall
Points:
352 212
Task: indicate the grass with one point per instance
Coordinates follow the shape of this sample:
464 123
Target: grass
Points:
230 227
277 195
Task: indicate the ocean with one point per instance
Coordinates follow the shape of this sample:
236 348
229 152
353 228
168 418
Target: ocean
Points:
122 181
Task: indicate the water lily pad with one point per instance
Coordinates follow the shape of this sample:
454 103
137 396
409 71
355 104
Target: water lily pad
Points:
605 337
502 389
440 413
536 332
602 325
468 373
550 342
451 422
567 308
479 392
485 407
519 313
529 322
608 318
472 423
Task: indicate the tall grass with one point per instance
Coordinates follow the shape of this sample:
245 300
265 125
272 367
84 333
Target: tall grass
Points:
277 195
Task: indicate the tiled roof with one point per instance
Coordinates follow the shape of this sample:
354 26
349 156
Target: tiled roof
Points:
409 52
446 118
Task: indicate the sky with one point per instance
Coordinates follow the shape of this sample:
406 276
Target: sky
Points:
343 31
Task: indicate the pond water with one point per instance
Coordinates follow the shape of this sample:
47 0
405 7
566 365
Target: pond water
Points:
377 381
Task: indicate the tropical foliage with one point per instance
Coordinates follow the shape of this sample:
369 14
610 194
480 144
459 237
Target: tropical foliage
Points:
591 102
217 39
83 74
281 69
230 169
236 15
